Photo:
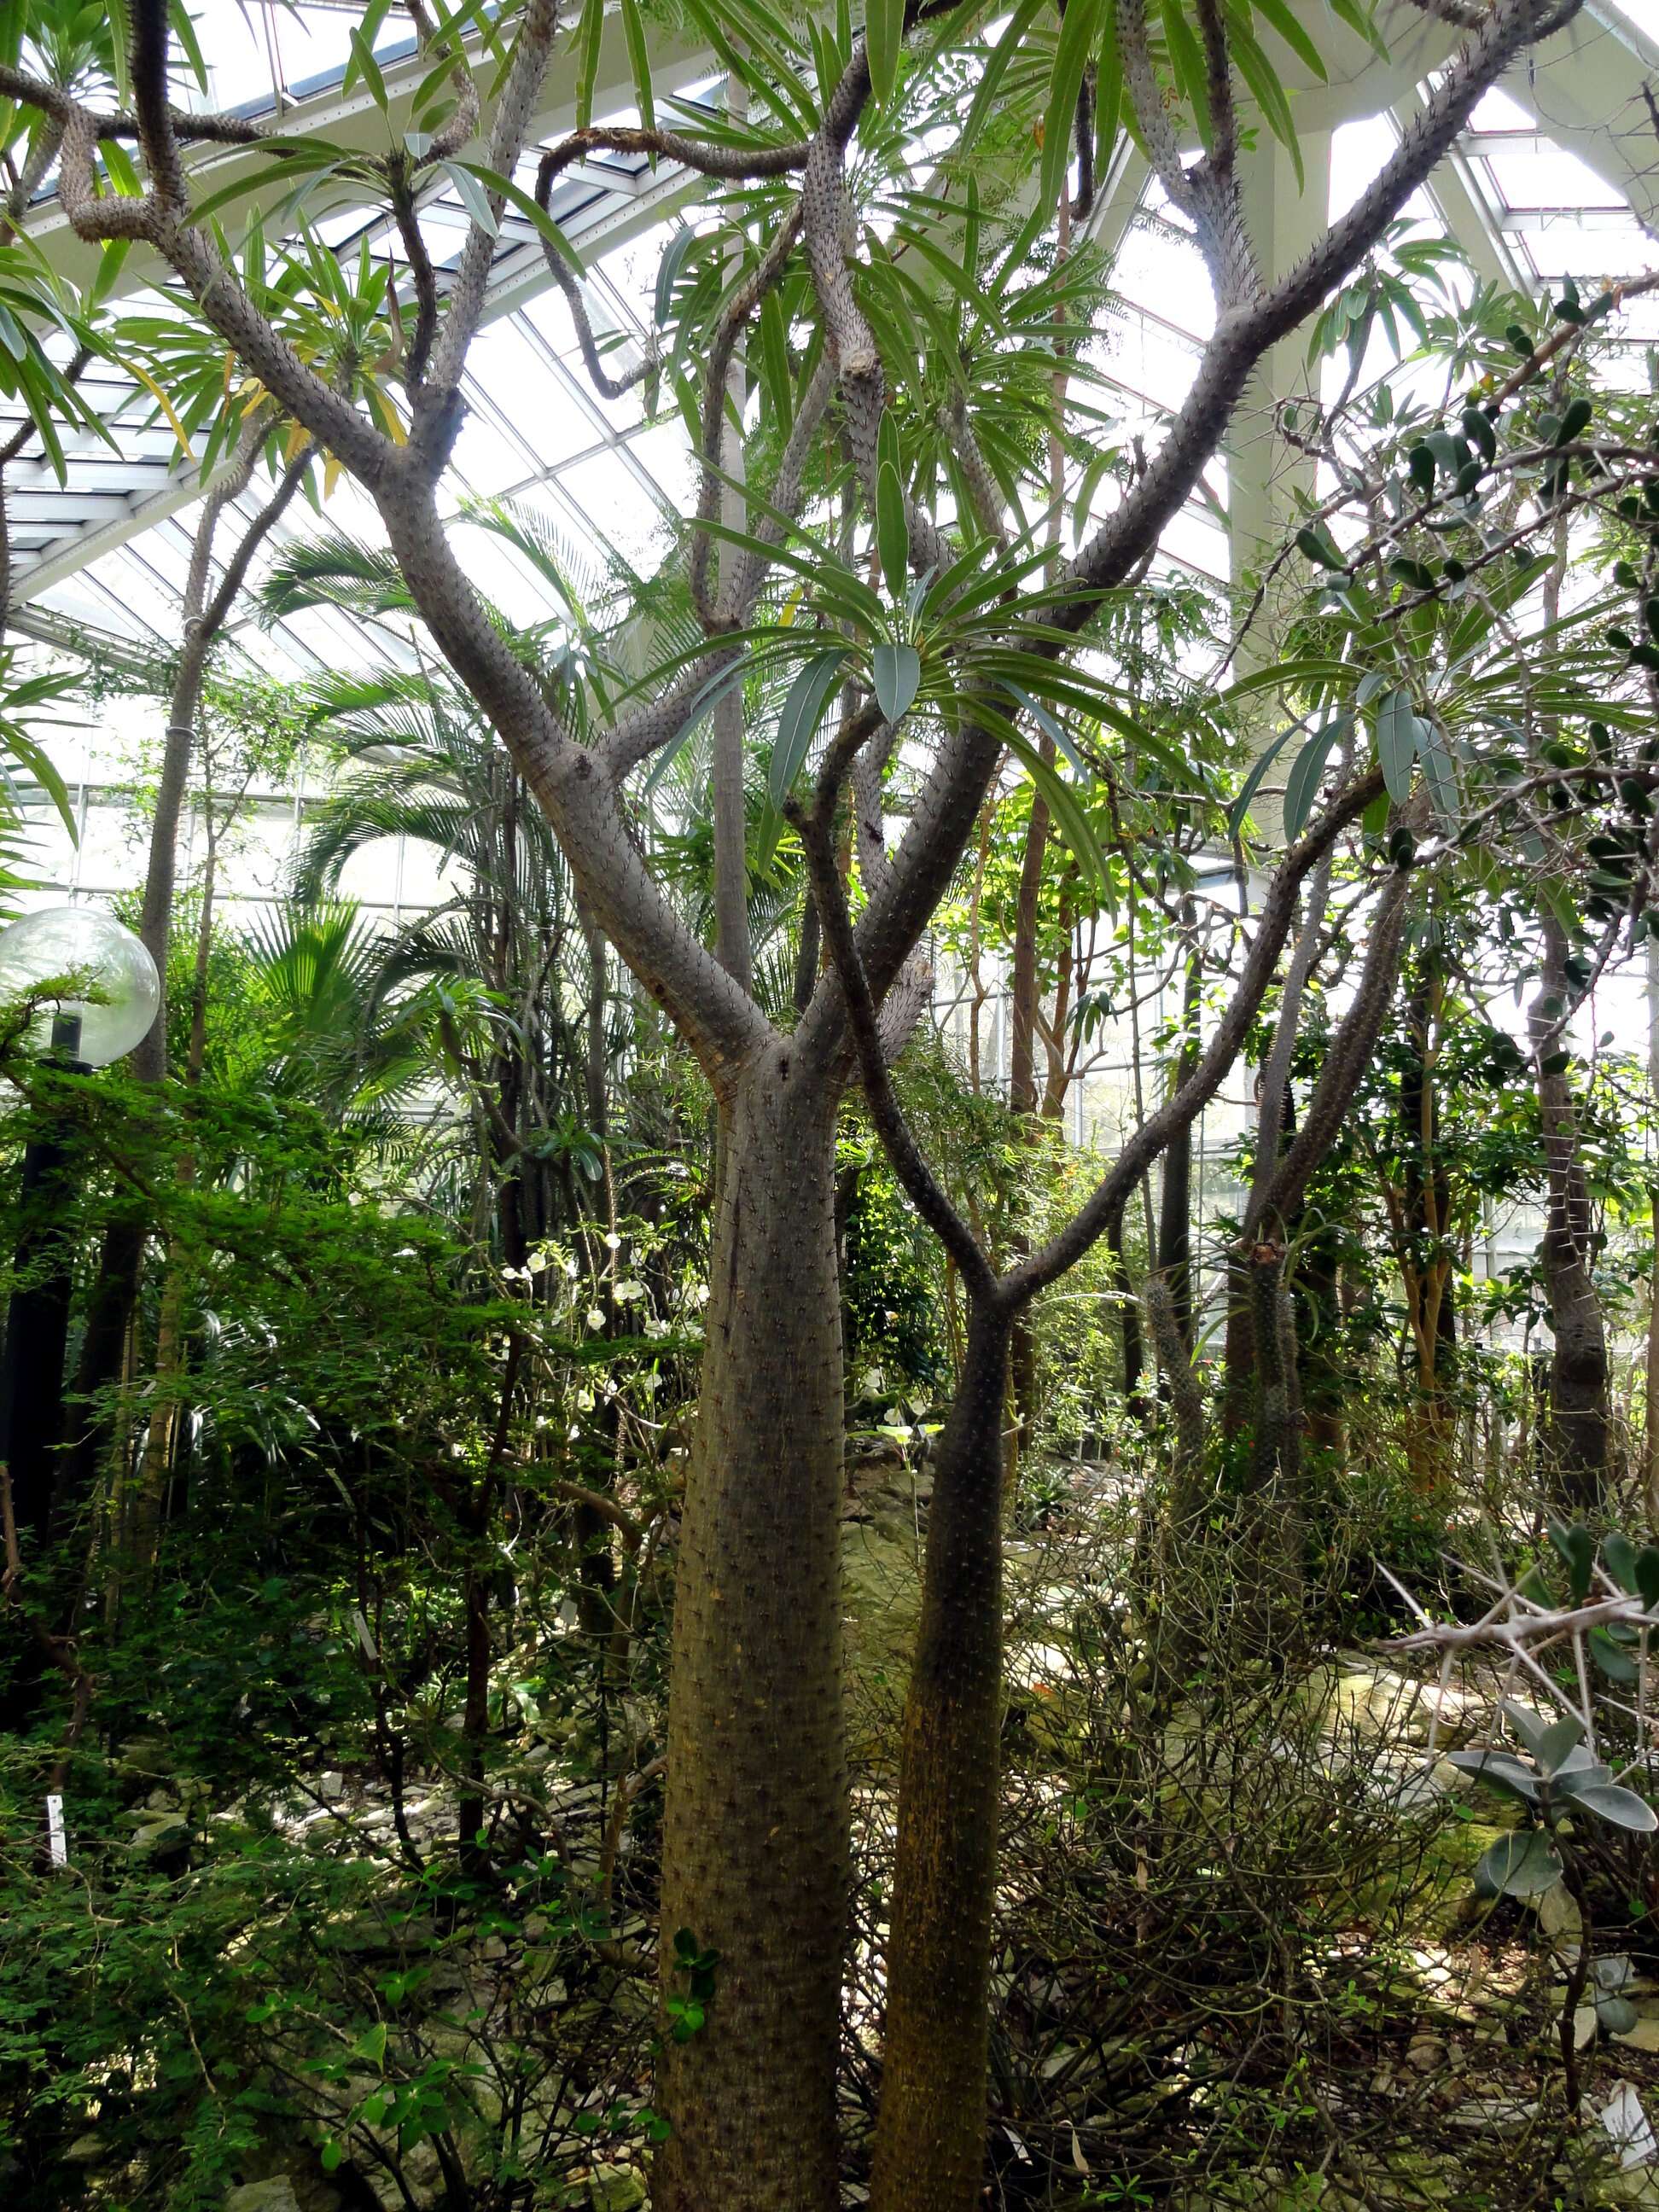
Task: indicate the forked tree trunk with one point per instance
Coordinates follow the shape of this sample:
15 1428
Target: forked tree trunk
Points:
755 1851
930 2137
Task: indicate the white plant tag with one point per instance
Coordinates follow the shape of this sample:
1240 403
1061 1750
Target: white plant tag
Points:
56 1839
1628 2127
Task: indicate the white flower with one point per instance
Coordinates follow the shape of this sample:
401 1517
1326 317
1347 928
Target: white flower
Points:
585 1401
536 1262
625 1293
612 1242
699 1294
595 1317
654 1328
571 1269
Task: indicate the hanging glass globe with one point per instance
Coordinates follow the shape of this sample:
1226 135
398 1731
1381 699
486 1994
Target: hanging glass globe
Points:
111 993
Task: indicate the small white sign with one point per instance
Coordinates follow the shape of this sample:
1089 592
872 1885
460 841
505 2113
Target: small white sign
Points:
57 1840
1629 2130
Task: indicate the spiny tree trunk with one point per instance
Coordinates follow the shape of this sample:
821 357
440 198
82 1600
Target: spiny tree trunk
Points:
160 1455
1427 1219
1022 1080
1575 1440
1129 1310
1651 1484
728 808
755 1851
1262 1388
1174 1223
930 2145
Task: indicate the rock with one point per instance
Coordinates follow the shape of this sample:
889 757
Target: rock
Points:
616 2189
1644 2036
86 2150
1425 2053
1493 2115
1559 1915
331 1786
276 2194
157 1839
1583 2028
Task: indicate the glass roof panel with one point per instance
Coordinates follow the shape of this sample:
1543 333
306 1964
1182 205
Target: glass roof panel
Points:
535 427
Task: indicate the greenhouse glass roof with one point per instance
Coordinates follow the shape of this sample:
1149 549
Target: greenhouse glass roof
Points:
1558 175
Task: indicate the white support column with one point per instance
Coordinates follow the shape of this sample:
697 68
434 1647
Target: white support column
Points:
1262 474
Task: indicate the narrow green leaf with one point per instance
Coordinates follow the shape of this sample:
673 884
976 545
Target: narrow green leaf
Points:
1062 803
668 273
639 61
892 532
1054 731
1108 92
516 197
473 196
1076 43
884 32
1187 62
996 68
589 32
1263 80
888 453
1397 729
370 68
1253 781
1284 22
1438 773
1307 774
803 710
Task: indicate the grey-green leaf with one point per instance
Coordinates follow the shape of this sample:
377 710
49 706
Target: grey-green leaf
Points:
1523 1864
1307 774
1498 1769
1557 1741
1438 773
896 671
1397 733
1622 1807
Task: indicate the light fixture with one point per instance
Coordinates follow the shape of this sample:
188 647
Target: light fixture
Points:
110 993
